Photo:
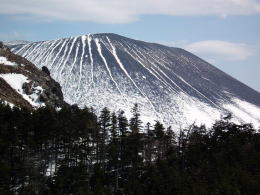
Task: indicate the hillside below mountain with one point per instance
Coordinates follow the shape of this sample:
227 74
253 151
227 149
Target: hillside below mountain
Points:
22 84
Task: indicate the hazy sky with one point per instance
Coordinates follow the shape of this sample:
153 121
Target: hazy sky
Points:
226 33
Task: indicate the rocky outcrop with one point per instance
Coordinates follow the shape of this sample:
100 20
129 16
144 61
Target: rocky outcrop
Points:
37 88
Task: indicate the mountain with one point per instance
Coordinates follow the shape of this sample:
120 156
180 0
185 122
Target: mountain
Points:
24 85
16 42
169 84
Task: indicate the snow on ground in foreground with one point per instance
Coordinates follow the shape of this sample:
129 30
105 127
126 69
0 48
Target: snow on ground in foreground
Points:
3 60
16 81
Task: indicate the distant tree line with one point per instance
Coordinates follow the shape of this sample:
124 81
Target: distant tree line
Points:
73 151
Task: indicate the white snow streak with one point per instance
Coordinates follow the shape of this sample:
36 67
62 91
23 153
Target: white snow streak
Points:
152 71
83 39
72 46
182 81
28 49
34 48
125 71
39 52
196 90
145 57
62 58
58 54
46 50
91 58
20 48
58 42
164 74
107 67
72 66
149 62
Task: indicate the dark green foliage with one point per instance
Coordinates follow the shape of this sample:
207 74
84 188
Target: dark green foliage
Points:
135 122
72 151
46 70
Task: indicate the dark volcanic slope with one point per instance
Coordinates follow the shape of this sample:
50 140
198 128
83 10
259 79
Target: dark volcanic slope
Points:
169 83
24 85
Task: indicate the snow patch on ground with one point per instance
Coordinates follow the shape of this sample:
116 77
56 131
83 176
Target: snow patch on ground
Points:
4 61
8 103
16 81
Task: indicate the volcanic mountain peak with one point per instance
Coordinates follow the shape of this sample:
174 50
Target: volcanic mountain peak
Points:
169 84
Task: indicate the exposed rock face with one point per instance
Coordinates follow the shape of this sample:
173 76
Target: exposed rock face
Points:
24 85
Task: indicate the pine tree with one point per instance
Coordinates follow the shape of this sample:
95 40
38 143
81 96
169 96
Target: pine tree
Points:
123 142
169 143
159 137
135 144
135 122
114 152
122 123
114 126
105 123
149 144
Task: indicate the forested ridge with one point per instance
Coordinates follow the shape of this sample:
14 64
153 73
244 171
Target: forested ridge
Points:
74 151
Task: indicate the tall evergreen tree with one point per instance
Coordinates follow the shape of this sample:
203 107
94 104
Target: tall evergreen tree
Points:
135 121
105 123
159 138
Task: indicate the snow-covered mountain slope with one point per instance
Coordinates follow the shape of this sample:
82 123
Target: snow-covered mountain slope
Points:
16 42
169 84
24 85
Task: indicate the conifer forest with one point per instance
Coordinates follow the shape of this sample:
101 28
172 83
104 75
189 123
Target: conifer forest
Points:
74 151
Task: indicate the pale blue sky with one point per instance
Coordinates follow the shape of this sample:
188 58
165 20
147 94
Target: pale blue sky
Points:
225 33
